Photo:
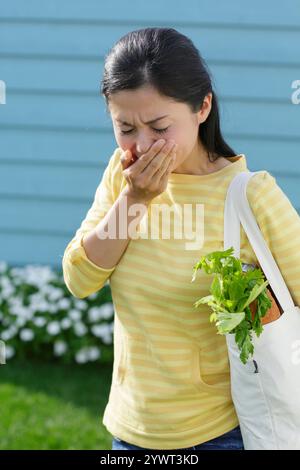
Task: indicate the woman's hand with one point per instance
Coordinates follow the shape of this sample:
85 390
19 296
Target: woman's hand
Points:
147 177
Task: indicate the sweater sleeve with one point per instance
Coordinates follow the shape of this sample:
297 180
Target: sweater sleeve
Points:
279 223
81 275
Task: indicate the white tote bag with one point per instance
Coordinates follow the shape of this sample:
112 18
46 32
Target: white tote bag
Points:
266 390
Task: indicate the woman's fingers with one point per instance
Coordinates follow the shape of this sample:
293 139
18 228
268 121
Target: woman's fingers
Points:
164 178
125 159
146 158
144 177
151 171
166 163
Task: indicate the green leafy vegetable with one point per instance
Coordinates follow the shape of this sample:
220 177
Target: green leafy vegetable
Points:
232 291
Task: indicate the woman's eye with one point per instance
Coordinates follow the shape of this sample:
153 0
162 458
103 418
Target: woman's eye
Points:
159 131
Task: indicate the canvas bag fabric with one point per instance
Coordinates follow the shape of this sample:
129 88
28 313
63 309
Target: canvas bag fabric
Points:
266 390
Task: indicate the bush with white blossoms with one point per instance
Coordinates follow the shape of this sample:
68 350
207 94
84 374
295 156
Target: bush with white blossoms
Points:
39 317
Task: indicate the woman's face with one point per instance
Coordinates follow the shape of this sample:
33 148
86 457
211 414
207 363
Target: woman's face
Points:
131 111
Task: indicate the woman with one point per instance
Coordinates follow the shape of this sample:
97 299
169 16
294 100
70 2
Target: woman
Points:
171 378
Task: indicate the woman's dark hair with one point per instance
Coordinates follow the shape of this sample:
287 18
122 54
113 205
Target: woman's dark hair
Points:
169 62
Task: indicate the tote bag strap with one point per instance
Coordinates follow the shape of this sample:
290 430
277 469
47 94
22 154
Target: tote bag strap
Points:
238 211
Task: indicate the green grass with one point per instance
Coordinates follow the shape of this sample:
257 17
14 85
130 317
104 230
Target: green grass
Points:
53 406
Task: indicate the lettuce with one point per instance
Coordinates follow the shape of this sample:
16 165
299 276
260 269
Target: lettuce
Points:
232 291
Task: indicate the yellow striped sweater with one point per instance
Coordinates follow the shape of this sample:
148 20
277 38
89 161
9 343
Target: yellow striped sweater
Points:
171 379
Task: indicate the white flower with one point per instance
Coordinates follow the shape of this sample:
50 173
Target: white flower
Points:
80 329
20 321
94 314
98 313
65 323
81 304
5 282
107 339
6 335
81 357
52 309
35 275
15 302
21 310
107 310
39 321
75 314
54 293
53 328
93 296
26 334
60 348
38 302
9 333
8 288
16 272
9 352
86 354
43 306
64 304
100 330
94 353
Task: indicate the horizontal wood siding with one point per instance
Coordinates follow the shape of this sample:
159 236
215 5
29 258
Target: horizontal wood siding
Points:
55 135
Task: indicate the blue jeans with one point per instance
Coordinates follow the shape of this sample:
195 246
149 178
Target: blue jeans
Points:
231 440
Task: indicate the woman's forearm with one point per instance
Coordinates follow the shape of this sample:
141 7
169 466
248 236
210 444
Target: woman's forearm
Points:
107 252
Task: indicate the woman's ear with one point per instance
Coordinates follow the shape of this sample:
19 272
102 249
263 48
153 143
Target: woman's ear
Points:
205 108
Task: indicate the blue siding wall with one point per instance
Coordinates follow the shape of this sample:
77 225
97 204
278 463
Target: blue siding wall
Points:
55 137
